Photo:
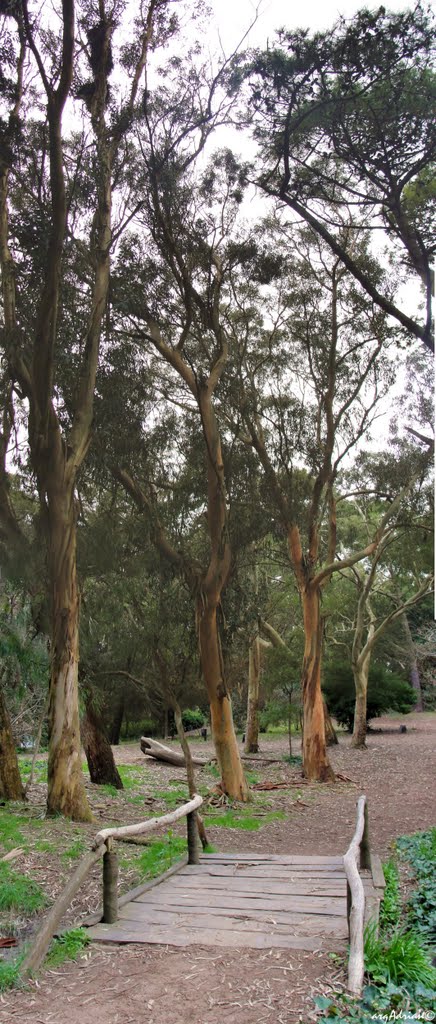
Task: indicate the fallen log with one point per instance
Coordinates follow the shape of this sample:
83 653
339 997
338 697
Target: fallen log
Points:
162 753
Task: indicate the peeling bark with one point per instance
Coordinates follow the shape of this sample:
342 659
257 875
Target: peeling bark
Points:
316 765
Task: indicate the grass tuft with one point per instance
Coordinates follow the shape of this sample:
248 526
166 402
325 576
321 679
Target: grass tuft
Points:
67 946
160 855
17 892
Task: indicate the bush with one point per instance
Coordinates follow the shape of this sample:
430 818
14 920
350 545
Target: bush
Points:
192 718
386 692
143 727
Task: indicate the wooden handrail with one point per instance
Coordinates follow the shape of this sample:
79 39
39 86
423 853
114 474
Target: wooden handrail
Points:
357 855
102 846
148 826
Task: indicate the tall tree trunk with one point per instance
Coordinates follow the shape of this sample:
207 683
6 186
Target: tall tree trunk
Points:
360 672
66 789
11 787
223 732
316 765
117 721
252 728
415 681
101 764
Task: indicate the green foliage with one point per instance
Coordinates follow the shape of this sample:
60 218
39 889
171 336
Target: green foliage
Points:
67 946
192 718
19 893
420 851
173 797
11 835
390 908
387 691
160 855
295 760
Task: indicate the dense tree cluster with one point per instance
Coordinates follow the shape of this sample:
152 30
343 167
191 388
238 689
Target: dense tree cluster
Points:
190 483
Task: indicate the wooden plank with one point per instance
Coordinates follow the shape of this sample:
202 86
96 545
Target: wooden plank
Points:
260 871
132 894
377 872
274 858
335 907
134 931
260 885
286 924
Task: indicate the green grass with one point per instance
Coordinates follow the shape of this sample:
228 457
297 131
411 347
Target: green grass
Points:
399 959
252 778
240 820
11 834
160 855
295 760
132 776
74 851
45 846
67 947
9 973
173 797
25 765
19 893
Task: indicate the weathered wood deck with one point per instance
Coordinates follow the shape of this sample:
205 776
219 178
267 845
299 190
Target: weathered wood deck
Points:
254 900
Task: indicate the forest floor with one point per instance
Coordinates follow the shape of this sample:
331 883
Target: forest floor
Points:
201 985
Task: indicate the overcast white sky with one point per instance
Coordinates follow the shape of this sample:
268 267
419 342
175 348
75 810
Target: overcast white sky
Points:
233 16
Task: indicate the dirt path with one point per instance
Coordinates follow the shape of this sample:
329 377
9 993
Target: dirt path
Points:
160 985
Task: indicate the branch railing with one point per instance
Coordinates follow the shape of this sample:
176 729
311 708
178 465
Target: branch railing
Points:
103 846
357 856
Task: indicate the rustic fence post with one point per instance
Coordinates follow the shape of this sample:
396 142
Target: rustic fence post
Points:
193 851
110 884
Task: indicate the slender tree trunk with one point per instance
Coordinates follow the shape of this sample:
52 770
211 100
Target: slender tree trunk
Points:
223 732
252 728
360 672
190 773
117 721
330 734
101 764
66 789
415 681
290 724
11 787
316 766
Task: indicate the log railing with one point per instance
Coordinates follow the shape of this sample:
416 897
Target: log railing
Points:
103 846
357 856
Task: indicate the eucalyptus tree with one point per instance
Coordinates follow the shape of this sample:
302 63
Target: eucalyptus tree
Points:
56 235
310 380
171 303
392 499
344 122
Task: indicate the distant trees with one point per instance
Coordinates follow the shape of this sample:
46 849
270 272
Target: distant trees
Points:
159 352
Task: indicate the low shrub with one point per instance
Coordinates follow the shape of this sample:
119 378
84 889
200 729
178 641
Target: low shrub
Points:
387 691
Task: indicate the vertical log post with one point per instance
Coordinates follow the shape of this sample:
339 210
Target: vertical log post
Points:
110 883
193 852
365 853
349 903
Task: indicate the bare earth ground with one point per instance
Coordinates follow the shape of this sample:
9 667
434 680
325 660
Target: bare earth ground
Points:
163 985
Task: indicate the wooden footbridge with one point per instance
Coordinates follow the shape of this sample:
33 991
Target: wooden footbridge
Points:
235 900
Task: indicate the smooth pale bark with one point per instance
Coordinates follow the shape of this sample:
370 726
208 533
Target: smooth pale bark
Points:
11 786
66 788
101 764
226 746
415 681
316 765
252 728
360 672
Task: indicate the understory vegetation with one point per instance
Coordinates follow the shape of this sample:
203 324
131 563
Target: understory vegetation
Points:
399 961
